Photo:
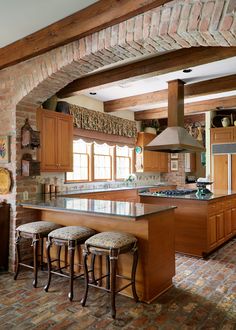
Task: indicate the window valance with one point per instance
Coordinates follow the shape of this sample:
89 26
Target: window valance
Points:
102 122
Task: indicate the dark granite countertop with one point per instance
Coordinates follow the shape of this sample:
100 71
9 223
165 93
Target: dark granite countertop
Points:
208 197
95 207
97 190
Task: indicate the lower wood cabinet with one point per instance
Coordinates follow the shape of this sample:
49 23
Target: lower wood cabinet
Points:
200 226
170 187
120 195
212 231
228 223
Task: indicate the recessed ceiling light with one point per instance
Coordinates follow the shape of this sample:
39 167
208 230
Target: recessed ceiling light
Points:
93 93
187 70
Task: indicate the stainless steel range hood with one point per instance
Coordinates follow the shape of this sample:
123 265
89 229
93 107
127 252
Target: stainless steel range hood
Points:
175 138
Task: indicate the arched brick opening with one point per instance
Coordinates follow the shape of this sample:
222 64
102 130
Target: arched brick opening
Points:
178 24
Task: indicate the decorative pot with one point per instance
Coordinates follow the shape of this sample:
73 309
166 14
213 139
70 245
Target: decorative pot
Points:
151 130
225 122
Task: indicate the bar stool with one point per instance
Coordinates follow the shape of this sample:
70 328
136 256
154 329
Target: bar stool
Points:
36 231
71 237
111 245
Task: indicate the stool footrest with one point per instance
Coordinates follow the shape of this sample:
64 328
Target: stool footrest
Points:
26 265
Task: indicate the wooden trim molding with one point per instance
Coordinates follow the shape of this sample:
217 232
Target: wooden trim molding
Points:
84 22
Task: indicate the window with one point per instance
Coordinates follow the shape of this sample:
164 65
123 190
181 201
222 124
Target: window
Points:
102 162
123 162
98 162
81 151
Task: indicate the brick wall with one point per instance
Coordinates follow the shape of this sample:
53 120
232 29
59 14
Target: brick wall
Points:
180 23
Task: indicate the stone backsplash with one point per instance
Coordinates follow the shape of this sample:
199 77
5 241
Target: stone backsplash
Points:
140 179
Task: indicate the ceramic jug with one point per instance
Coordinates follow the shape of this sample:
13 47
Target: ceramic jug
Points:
225 122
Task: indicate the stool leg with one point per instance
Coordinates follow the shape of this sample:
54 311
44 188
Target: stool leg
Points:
35 247
86 282
108 279
134 267
49 264
113 260
71 257
41 253
59 258
17 247
93 256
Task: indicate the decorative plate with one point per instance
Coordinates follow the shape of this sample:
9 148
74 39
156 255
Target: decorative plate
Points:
138 150
5 181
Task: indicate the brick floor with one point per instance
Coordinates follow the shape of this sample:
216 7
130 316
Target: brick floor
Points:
203 297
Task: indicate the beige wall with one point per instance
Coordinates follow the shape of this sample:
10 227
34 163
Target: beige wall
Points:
92 104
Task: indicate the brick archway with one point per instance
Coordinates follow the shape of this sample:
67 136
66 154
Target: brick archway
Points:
178 24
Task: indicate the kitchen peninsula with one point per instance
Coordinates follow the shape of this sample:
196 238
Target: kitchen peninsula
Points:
153 226
202 223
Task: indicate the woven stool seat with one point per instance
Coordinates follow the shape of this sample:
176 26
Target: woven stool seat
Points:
71 237
111 240
72 233
38 227
36 231
110 245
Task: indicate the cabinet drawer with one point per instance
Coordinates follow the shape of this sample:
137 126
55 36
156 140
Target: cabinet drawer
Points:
213 208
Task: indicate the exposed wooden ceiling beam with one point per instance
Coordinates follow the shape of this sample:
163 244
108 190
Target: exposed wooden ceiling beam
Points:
217 85
154 66
99 15
189 108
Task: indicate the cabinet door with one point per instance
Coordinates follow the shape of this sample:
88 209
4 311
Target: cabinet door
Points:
150 161
222 134
234 220
65 143
233 172
155 161
220 228
48 142
163 162
212 233
228 223
220 172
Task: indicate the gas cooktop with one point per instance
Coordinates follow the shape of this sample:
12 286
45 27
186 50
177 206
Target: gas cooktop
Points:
177 192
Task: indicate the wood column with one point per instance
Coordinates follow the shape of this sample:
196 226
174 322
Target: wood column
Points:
176 103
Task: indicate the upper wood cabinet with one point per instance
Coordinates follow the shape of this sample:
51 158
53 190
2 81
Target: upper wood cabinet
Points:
150 161
56 129
223 134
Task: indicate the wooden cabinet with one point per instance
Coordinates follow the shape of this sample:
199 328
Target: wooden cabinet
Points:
200 226
190 162
161 188
228 223
212 231
130 195
234 220
150 161
220 163
56 151
223 134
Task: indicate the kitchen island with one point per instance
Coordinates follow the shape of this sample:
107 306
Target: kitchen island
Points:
153 226
201 223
